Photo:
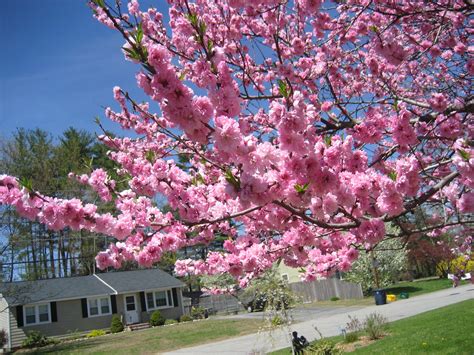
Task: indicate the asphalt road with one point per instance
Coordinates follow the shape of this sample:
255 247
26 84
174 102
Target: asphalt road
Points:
329 323
298 315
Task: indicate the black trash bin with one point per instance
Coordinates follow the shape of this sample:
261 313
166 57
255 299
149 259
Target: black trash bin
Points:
380 297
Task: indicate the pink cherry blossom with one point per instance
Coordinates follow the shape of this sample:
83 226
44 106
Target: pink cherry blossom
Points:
300 130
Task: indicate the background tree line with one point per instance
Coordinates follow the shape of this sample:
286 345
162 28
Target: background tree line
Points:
29 250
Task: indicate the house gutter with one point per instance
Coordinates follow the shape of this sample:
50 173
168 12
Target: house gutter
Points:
106 284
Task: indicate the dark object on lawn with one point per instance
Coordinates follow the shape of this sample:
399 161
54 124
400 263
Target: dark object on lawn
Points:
299 343
404 295
380 297
335 299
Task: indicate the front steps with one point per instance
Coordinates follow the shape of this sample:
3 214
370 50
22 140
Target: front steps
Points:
138 326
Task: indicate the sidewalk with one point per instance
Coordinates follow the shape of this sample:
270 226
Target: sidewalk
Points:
331 325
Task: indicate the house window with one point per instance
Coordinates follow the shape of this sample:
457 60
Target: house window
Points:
99 306
37 314
285 277
158 299
130 303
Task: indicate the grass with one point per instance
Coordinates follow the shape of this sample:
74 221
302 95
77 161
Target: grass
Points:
287 351
414 288
417 288
159 339
447 330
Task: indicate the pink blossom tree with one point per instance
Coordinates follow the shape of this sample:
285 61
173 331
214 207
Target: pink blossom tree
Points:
305 127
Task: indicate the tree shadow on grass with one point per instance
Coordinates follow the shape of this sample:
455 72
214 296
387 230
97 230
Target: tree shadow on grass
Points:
81 346
398 290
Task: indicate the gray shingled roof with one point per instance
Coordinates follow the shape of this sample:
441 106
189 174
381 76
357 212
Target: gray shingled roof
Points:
140 280
25 292
53 289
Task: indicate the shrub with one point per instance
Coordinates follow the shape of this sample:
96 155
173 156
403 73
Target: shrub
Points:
74 334
157 319
323 347
35 339
116 326
3 338
197 312
95 333
335 298
185 318
354 325
375 325
455 265
276 320
170 321
351 337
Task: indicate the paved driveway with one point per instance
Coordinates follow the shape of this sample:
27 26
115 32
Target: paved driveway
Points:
330 323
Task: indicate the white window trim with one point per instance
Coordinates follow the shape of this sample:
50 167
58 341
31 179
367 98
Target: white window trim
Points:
285 277
169 303
100 314
134 301
37 320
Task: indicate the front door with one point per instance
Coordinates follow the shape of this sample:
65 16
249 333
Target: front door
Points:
131 311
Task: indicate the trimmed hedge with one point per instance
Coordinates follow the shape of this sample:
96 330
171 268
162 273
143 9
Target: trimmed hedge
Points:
116 326
157 319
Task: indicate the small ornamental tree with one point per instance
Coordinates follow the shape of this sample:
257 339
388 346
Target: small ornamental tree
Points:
390 260
296 129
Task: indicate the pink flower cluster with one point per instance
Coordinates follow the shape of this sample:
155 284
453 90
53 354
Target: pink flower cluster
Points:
298 130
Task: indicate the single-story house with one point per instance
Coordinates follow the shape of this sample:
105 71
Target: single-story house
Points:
64 305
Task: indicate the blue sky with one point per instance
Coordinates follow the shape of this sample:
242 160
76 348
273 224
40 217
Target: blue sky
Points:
58 66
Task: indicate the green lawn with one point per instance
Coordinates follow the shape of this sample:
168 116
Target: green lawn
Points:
414 288
158 339
447 330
